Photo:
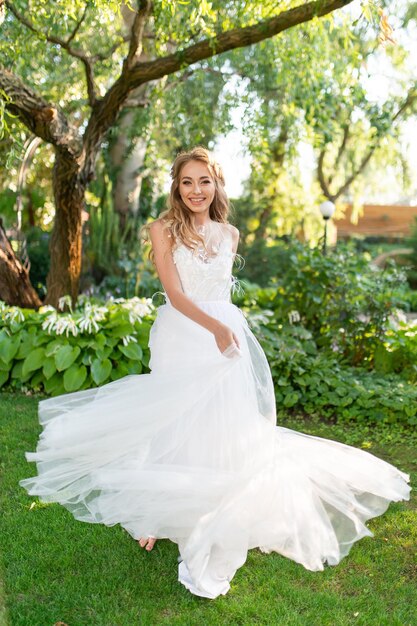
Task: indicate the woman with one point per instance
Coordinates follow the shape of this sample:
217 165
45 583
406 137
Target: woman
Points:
191 451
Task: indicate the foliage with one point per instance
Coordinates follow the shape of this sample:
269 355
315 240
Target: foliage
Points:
398 351
318 384
342 299
311 92
133 276
63 352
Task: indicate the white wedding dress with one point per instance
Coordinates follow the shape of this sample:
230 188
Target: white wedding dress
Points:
191 451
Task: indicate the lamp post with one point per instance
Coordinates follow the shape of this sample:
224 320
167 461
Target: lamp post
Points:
327 209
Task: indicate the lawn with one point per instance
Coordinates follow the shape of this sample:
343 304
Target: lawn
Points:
55 569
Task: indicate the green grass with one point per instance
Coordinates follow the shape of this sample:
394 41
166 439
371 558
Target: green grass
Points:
57 569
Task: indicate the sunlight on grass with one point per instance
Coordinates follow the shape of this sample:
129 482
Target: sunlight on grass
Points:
57 569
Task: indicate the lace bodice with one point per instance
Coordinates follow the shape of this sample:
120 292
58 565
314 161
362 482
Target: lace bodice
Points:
206 277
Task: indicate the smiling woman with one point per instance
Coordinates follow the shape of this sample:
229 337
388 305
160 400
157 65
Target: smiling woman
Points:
191 452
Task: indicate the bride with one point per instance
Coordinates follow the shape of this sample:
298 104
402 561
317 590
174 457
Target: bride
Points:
191 451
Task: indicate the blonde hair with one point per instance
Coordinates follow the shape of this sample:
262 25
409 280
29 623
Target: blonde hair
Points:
177 216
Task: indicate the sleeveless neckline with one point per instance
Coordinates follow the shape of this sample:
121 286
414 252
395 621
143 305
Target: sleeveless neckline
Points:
210 259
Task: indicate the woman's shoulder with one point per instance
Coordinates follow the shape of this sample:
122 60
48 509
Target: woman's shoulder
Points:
232 230
160 231
157 224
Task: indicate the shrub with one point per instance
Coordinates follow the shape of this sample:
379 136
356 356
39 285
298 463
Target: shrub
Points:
342 300
62 352
308 380
398 351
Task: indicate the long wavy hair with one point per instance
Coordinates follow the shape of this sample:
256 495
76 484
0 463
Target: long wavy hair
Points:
177 217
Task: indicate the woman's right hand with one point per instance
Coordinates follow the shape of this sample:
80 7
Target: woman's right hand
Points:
225 337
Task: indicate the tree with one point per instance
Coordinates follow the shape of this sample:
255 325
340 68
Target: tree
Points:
214 29
311 89
15 287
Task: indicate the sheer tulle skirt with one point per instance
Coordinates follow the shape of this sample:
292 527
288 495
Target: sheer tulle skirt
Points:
190 452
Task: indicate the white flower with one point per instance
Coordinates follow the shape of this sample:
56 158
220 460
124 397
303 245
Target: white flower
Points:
11 313
66 324
14 314
60 324
128 338
91 315
49 322
137 308
65 300
46 308
293 317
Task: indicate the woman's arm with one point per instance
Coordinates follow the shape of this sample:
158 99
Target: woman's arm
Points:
168 275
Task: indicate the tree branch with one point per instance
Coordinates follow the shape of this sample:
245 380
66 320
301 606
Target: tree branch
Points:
410 99
78 24
45 120
342 148
107 109
320 175
136 37
408 102
65 44
229 40
89 77
355 173
51 38
102 56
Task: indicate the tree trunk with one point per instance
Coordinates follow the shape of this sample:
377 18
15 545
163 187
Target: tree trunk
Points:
15 287
127 158
65 244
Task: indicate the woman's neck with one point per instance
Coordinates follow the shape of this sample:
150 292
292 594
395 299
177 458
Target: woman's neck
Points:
201 221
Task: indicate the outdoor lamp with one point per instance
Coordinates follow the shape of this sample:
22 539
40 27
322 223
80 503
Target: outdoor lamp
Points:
327 209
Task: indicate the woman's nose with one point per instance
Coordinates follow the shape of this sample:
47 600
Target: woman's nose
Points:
196 188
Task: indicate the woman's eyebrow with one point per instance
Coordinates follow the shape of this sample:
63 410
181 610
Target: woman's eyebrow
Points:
189 177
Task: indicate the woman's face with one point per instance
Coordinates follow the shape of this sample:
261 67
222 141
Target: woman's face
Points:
196 187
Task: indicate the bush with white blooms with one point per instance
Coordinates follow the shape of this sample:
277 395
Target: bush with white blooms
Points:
69 349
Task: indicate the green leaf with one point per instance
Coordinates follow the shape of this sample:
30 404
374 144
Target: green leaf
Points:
99 341
66 356
291 399
49 367
121 330
146 357
135 367
52 383
133 351
36 379
5 367
26 346
53 347
4 376
8 347
104 353
17 369
59 389
120 371
100 370
74 377
33 361
142 333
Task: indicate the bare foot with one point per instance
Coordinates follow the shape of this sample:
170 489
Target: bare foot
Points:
147 542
